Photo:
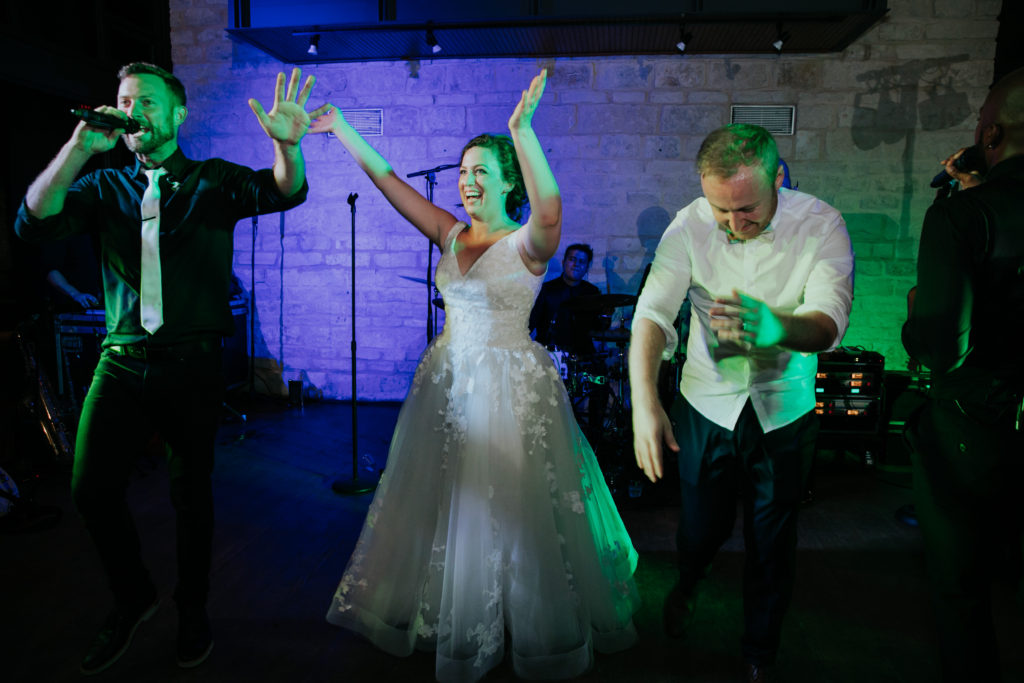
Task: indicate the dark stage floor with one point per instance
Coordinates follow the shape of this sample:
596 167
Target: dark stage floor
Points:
283 537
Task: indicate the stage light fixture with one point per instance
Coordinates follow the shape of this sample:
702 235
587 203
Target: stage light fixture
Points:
435 47
684 38
314 45
780 40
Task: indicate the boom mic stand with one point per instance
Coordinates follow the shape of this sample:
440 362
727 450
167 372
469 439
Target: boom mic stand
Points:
341 486
430 176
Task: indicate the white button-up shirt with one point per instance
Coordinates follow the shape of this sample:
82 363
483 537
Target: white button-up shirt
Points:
802 263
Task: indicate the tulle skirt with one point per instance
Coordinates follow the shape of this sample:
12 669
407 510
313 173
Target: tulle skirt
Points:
492 526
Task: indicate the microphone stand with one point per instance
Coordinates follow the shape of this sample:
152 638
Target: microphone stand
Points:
430 175
341 486
252 309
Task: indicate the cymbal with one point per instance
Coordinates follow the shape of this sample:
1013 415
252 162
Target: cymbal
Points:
417 280
617 335
598 302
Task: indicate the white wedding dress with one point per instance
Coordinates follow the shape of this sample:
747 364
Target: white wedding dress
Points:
492 526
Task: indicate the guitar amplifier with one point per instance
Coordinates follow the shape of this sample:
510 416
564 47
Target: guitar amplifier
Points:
79 337
849 391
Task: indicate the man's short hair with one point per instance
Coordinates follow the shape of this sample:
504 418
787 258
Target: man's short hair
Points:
579 246
173 84
737 145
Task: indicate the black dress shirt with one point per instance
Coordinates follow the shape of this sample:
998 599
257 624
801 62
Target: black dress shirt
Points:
201 201
966 320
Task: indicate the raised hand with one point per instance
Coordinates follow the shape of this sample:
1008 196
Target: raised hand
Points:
522 117
326 119
287 122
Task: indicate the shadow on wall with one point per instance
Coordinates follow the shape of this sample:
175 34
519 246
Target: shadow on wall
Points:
889 110
270 373
650 226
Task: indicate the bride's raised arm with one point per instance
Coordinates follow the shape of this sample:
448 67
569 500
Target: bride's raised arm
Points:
429 219
545 224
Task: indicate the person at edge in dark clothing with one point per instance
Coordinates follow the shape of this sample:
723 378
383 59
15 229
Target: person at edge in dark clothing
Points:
164 227
968 443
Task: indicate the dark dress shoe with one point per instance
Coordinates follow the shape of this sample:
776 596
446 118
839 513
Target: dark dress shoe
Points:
115 637
678 612
195 639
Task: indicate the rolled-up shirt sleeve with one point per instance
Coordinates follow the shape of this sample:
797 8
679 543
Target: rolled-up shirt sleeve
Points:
75 217
829 287
667 285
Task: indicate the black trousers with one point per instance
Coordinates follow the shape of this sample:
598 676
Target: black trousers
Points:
766 473
968 469
178 399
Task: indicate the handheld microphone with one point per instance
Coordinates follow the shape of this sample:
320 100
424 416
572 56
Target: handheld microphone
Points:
972 160
98 119
941 179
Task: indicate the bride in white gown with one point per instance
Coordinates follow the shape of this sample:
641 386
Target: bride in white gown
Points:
492 526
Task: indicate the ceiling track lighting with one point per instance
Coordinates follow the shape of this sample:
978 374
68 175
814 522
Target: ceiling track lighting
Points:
684 39
435 47
780 39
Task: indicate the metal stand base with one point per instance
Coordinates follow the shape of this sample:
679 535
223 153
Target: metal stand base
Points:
353 487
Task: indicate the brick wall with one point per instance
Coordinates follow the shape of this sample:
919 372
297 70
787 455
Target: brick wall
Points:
872 123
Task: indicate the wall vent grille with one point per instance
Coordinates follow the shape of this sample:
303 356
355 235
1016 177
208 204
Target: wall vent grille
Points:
777 120
365 121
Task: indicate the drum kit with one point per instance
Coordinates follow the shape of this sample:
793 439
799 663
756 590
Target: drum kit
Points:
601 376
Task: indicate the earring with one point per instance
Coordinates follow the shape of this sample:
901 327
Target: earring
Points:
997 137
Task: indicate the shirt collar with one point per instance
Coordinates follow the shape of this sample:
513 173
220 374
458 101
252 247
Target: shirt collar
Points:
176 165
766 235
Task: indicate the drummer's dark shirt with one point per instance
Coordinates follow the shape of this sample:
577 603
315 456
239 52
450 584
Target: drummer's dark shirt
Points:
566 330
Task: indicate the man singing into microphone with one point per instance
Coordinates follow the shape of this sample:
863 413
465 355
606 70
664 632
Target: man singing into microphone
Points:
164 227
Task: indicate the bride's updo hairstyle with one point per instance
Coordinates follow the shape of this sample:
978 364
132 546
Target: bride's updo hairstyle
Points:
505 151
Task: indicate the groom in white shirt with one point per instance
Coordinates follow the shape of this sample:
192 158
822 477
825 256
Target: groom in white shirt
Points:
769 274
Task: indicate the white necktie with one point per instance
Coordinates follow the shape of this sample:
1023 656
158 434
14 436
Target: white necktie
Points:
151 303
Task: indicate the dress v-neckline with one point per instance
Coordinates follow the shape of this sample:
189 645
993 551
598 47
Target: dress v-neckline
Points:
455 254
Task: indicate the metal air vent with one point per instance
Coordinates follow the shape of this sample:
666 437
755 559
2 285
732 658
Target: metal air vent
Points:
365 121
776 119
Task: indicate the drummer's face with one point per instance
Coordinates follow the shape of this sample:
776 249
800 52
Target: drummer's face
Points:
574 266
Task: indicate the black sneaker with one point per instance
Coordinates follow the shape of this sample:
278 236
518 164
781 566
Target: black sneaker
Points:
114 638
195 640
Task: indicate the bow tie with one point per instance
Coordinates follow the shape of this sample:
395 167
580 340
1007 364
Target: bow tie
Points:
767 235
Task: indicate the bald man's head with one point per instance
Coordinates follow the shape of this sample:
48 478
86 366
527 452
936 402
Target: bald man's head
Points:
1001 120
